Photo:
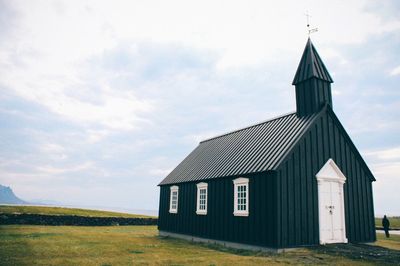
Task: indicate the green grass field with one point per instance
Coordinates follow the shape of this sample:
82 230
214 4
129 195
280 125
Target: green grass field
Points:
65 211
394 222
141 245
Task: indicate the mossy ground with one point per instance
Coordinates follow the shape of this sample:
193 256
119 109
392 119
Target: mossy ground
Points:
141 245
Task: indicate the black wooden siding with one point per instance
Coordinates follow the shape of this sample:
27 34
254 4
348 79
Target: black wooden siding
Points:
297 212
220 223
312 95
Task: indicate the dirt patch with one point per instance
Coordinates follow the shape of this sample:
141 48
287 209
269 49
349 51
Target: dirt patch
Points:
362 252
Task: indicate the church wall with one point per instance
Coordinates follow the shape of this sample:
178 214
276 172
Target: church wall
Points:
220 223
297 213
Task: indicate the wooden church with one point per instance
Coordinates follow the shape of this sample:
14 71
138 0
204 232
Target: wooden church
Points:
295 180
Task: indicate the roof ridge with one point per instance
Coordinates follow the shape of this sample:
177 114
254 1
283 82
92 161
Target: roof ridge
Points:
252 125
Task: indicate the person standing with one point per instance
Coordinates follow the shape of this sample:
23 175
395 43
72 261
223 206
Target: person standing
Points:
386 224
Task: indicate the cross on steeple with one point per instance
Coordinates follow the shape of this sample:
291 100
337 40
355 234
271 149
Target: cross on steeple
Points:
308 24
308 18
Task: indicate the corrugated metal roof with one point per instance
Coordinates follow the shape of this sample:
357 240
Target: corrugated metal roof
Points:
311 65
252 149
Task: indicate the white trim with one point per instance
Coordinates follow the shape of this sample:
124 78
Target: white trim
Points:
173 189
241 181
325 174
201 186
330 172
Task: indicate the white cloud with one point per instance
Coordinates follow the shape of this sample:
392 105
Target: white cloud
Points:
385 164
245 32
160 173
52 148
385 188
385 154
110 107
115 111
195 139
44 65
43 56
395 71
336 92
43 172
51 170
94 136
330 53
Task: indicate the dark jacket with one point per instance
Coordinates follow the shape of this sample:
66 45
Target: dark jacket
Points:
385 222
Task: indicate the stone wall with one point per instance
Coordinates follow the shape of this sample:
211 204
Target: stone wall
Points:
39 219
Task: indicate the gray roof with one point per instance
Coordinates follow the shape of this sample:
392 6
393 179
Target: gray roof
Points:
252 149
311 65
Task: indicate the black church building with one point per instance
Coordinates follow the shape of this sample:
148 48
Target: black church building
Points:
295 180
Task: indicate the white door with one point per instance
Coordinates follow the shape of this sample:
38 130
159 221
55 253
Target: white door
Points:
331 204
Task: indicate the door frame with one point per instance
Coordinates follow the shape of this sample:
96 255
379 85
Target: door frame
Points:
332 173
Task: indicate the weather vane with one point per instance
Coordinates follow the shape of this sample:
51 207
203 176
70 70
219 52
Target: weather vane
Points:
308 24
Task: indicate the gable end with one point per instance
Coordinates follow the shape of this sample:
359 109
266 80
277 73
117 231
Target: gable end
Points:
330 134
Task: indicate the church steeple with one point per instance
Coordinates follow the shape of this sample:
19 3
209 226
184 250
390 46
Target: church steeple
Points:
312 82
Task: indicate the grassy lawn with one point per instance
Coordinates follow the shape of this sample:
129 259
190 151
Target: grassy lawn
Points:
133 245
64 211
394 222
393 242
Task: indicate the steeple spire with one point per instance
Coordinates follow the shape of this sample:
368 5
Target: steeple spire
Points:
312 82
311 65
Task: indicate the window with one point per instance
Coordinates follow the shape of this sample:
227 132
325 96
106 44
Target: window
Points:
202 198
173 199
241 197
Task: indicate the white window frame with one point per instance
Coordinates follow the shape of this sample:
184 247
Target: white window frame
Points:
201 186
173 189
241 181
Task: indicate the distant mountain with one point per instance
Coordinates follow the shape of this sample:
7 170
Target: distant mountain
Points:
7 196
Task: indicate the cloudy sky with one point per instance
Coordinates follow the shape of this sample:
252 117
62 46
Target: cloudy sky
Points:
100 100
